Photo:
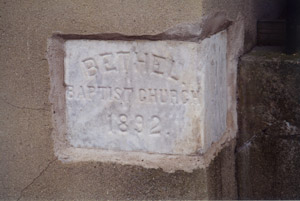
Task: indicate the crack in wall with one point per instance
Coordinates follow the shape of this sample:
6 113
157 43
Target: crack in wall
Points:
246 144
23 107
249 142
34 179
195 32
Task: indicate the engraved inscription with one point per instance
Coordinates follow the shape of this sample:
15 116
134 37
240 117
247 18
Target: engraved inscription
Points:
155 129
145 96
142 95
139 62
107 59
122 123
90 67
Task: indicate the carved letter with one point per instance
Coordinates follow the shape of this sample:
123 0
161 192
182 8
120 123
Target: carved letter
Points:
102 91
92 91
174 70
141 62
107 59
174 96
123 60
118 93
185 97
158 62
152 95
81 94
195 94
127 95
90 67
142 95
164 98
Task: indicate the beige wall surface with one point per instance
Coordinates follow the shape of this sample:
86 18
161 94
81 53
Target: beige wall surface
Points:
28 166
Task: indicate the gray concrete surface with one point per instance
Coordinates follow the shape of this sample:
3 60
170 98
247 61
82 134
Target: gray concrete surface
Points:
268 147
250 11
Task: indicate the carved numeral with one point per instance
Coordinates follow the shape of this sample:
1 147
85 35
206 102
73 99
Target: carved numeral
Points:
155 125
110 121
123 125
139 123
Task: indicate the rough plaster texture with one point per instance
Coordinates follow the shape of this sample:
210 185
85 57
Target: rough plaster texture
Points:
268 147
29 168
250 11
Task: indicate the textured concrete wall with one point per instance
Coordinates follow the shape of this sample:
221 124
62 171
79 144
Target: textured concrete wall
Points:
250 11
268 146
29 169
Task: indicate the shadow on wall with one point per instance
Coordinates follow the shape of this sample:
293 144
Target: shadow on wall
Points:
292 26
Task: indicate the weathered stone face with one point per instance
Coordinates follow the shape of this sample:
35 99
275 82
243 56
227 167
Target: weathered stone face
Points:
268 146
150 96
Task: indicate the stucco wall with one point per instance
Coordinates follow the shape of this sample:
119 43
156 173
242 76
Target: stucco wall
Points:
29 168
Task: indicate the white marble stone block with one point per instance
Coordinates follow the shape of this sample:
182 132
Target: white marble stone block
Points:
166 97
